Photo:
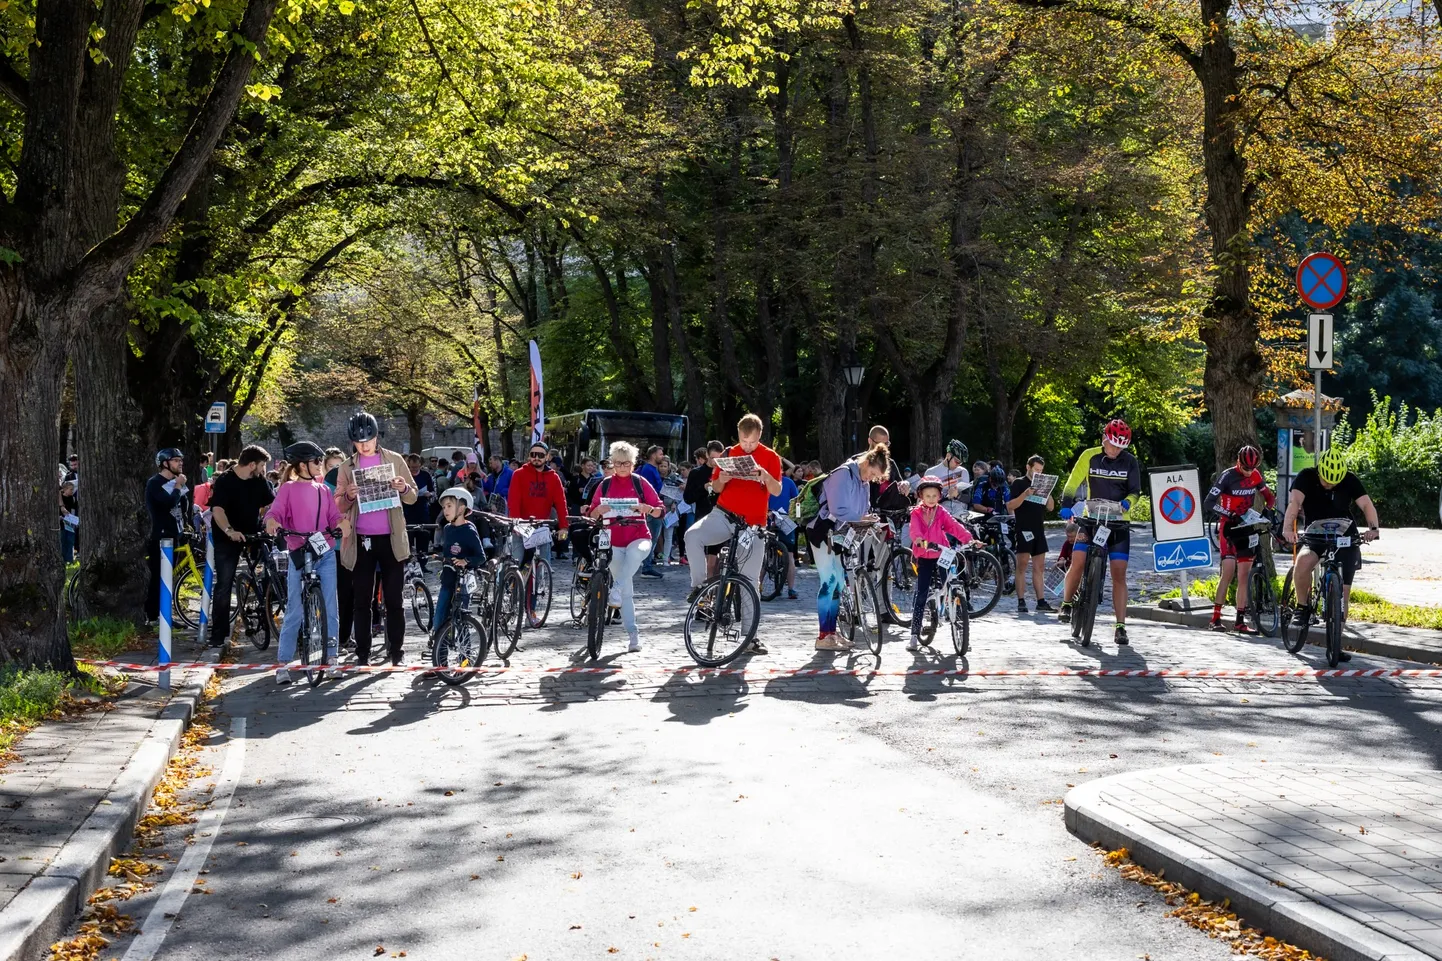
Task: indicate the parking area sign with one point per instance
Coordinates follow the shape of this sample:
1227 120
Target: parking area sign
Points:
215 418
1176 503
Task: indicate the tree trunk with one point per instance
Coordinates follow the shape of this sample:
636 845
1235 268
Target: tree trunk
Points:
660 335
690 370
415 420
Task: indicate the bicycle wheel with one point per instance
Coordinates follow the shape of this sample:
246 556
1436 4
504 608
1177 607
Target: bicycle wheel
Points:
423 608
1212 536
983 581
596 613
185 600
722 621
314 636
1091 596
1262 608
1294 636
274 610
871 614
773 572
1336 617
580 583
458 647
252 611
960 620
77 608
509 614
538 593
1007 557
898 586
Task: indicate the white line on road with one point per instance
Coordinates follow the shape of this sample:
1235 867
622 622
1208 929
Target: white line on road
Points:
207 826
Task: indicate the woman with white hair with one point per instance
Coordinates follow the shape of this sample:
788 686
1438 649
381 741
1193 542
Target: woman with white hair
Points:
630 538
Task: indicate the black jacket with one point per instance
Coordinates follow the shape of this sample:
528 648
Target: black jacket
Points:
695 492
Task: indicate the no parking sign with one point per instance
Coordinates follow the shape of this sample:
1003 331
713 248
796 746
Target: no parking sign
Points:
1176 503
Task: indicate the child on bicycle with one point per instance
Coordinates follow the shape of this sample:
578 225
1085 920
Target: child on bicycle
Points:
459 545
930 529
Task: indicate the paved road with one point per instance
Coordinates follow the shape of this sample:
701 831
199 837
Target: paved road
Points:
802 817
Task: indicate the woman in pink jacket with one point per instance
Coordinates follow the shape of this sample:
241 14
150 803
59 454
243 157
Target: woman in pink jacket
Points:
630 537
930 526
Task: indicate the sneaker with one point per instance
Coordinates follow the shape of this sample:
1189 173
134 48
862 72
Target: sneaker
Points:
1121 637
282 675
831 642
691 595
914 643
757 648
1042 607
791 595
1344 656
1021 605
1215 624
653 572
1242 627
1064 616
635 644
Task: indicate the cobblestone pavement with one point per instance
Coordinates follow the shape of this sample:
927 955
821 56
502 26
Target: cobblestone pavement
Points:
1365 842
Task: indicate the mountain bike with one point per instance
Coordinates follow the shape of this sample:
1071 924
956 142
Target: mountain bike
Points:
314 641
985 581
897 568
413 584
504 597
721 622
1324 538
946 602
583 534
1098 520
996 532
462 637
260 589
535 569
1264 607
773 568
189 581
598 584
860 616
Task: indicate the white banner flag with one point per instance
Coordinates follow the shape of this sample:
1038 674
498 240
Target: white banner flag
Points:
538 396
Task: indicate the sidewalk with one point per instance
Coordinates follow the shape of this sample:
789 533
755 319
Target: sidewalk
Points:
1345 861
71 802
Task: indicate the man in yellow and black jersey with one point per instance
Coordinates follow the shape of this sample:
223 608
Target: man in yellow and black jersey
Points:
1109 472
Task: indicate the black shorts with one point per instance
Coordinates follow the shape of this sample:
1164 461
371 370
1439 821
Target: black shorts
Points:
1119 544
1030 540
1241 546
1351 559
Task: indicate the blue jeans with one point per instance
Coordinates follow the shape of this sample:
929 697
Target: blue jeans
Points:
67 544
449 580
654 525
624 561
290 627
833 578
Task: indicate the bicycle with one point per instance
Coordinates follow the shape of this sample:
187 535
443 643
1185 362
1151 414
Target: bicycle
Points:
773 568
312 606
898 570
985 581
260 590
462 633
1325 538
727 603
947 602
536 572
598 584
1264 608
413 584
503 600
582 534
995 530
1098 519
859 614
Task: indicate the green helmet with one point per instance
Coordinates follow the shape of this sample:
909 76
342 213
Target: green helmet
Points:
1332 466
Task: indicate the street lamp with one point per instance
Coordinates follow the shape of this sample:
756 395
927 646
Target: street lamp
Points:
853 371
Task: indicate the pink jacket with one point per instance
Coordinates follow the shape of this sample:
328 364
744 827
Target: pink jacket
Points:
934 532
302 505
629 530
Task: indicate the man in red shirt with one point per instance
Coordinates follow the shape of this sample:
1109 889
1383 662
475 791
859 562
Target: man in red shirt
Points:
738 497
536 490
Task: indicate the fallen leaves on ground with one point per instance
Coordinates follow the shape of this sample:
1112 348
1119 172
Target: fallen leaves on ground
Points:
575 875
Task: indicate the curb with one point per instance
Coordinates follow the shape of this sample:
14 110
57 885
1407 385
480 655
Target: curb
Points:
1277 911
40 913
1356 640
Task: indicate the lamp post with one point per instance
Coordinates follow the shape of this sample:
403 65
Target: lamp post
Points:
853 371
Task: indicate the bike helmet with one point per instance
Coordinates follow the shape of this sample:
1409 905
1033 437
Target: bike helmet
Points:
168 453
1117 432
1332 466
460 494
997 476
303 452
955 448
928 481
363 427
1248 458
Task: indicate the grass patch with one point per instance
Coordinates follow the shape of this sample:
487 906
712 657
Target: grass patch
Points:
28 697
1366 606
102 638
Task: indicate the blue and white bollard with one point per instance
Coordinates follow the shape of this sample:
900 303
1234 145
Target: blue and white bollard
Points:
167 608
207 577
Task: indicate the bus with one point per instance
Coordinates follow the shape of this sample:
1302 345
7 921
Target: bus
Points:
590 433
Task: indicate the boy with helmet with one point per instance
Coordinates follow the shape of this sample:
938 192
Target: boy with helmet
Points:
954 477
1320 493
1230 497
459 544
1109 472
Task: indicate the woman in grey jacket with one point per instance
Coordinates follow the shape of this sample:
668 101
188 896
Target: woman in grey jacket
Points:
845 499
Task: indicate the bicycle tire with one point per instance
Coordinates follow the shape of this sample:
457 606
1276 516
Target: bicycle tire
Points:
1336 617
773 572
580 584
984 582
77 607
1212 536
469 648
596 614
1006 557
1091 597
871 614
509 614
898 586
736 611
1294 637
960 620
252 611
274 609
538 593
423 607
930 617
1262 608
314 662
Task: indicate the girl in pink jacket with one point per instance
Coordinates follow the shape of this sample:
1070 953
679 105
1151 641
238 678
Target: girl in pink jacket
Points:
930 527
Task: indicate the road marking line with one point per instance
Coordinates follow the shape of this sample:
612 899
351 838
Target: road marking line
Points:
172 897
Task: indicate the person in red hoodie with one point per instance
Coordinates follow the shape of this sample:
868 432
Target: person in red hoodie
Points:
536 491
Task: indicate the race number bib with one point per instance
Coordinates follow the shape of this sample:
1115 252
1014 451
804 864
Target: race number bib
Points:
849 540
468 582
1254 540
947 558
603 539
1344 542
1102 536
744 542
318 544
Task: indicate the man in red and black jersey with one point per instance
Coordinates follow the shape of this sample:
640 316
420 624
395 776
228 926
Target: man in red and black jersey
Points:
1231 496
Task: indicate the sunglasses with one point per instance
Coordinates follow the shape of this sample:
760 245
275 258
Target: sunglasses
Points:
537 453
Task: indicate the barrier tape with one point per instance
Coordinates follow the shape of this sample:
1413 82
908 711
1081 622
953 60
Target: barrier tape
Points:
1235 674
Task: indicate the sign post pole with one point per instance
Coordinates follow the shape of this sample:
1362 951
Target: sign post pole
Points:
1321 283
167 609
1181 537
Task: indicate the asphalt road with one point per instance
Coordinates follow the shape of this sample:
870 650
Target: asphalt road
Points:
657 814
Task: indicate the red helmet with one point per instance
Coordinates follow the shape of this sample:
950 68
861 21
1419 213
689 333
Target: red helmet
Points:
1248 458
1117 432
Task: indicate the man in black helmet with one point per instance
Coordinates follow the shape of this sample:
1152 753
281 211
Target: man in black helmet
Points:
164 495
236 501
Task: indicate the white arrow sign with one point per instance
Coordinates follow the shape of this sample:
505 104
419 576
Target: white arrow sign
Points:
1319 342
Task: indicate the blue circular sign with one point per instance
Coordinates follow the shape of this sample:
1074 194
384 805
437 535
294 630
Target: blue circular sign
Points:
1322 281
1177 505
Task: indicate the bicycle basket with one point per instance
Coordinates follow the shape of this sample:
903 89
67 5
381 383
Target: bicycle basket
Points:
1329 533
583 539
1101 510
534 536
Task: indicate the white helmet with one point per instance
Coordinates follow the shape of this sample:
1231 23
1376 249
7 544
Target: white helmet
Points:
460 494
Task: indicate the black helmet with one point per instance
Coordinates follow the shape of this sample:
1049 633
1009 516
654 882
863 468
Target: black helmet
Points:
997 475
957 449
363 427
168 453
304 451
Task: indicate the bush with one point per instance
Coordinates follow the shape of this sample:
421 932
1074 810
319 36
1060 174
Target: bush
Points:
1399 462
104 637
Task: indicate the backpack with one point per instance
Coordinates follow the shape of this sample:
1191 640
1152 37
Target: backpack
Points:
635 482
808 503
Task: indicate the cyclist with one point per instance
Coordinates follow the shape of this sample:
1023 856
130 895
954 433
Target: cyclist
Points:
1109 472
535 492
781 503
992 496
845 499
1029 536
459 545
630 536
1320 493
954 478
930 527
304 503
742 497
237 499
1230 497
164 498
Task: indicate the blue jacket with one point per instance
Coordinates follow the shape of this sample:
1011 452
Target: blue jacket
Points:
499 484
845 496
652 475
